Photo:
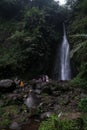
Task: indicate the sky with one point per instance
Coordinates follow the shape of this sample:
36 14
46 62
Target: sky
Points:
61 1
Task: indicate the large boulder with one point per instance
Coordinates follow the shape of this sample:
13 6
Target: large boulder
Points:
6 84
32 101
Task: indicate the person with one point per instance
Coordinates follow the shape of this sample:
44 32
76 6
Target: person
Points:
46 78
21 84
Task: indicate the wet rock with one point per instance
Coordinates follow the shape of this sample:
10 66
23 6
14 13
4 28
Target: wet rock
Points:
6 84
14 96
56 93
15 126
17 81
32 101
38 86
37 91
57 107
46 89
25 96
46 115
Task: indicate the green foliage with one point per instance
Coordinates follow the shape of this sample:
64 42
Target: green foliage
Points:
79 25
84 118
1 111
83 104
5 120
72 4
34 18
29 36
83 6
78 41
53 123
8 58
79 82
80 65
10 8
9 112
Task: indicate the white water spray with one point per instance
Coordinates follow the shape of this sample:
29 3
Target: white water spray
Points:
62 69
65 72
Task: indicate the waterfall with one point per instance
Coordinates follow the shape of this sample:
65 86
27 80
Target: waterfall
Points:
62 69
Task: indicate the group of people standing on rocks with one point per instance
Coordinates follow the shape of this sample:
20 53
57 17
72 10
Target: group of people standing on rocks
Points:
40 79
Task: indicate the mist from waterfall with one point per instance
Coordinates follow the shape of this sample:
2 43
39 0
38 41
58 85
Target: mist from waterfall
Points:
62 69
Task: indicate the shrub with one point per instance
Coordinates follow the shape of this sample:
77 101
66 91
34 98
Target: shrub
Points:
84 118
83 104
79 82
53 123
5 120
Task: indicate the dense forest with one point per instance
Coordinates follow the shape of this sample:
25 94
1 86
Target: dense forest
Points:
31 32
77 25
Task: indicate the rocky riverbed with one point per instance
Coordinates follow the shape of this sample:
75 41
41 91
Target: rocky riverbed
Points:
23 108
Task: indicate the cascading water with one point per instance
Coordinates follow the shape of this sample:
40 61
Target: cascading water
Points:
62 69
65 73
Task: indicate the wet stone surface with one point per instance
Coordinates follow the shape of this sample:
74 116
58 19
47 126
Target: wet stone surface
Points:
17 107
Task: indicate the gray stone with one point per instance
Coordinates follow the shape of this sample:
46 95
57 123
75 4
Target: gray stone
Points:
37 91
17 81
46 115
15 126
6 83
32 101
